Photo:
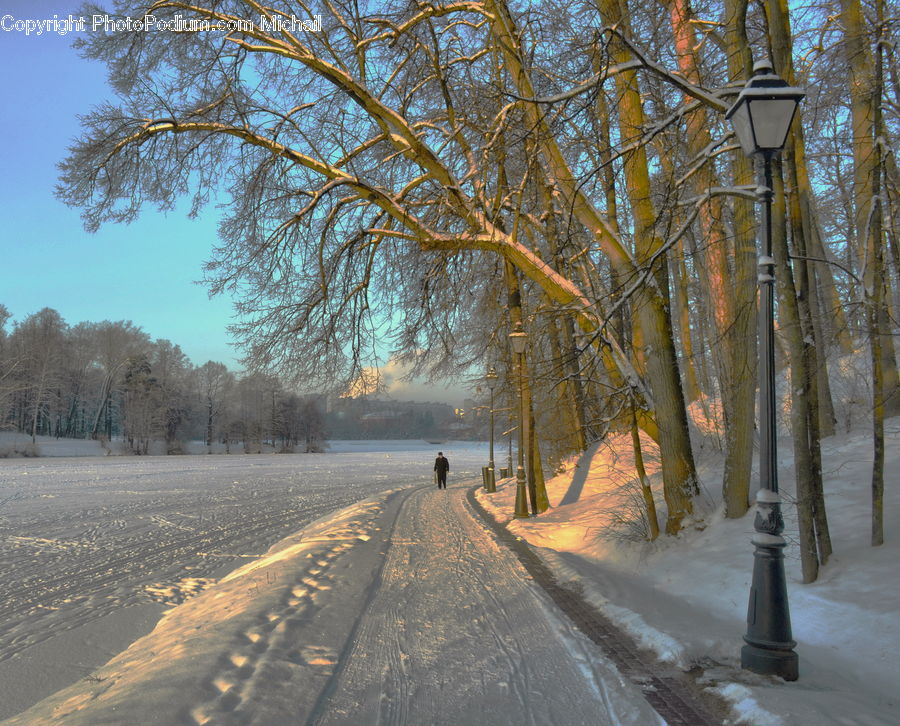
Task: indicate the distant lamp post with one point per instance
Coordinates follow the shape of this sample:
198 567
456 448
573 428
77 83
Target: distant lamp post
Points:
491 378
517 340
762 116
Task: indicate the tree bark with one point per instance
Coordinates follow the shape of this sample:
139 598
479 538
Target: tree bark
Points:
724 294
646 491
863 103
536 487
875 282
692 391
658 354
791 329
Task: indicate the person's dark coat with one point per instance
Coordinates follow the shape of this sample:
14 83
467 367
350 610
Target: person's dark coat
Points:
441 467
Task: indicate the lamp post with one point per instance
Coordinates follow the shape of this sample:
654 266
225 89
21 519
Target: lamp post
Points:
517 340
491 378
509 439
762 116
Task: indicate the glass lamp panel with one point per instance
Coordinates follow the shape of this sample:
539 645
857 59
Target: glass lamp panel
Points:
772 120
740 120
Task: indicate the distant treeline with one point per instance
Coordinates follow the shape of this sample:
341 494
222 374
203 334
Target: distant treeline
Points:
366 418
110 380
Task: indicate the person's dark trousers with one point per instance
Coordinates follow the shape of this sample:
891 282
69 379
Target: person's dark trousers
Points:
442 480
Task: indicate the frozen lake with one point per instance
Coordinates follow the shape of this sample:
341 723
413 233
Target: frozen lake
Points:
84 540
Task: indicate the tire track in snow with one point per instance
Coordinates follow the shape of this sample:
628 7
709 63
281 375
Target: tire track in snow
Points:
670 693
318 711
454 633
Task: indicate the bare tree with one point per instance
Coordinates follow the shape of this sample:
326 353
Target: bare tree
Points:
214 381
40 339
115 344
360 162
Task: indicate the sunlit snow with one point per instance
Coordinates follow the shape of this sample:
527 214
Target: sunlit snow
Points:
306 629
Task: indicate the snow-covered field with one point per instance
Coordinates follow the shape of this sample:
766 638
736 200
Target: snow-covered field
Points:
684 598
93 550
398 609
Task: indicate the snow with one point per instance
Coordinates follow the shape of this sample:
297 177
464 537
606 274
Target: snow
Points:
94 549
685 598
12 443
399 608
365 611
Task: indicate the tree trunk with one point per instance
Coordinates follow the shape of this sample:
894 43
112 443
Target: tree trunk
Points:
805 387
724 294
802 231
536 488
656 349
571 437
692 390
37 403
564 351
835 316
103 404
875 283
646 491
791 329
677 458
209 424
865 157
573 372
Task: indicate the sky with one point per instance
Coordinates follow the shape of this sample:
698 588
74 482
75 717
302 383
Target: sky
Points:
144 272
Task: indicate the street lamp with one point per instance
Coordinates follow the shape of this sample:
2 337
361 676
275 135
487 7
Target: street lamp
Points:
491 378
517 340
762 116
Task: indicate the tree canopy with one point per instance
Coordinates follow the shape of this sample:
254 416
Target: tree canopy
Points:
413 179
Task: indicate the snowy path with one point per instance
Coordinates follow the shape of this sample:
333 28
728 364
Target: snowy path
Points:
398 610
454 631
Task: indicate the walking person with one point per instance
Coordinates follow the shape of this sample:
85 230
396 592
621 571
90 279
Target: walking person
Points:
441 467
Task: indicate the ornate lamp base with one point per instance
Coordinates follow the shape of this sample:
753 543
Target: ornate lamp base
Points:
770 646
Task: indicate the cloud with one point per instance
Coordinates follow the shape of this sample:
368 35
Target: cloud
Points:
389 382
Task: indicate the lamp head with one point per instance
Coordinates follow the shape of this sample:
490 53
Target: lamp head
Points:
517 339
764 110
491 378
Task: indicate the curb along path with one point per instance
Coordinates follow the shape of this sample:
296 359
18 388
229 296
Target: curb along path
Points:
667 690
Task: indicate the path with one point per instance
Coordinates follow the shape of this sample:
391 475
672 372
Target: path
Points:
455 631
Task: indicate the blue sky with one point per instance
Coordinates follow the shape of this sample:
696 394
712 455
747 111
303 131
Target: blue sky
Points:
143 272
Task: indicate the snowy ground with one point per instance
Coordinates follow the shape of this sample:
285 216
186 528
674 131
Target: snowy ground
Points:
93 550
686 598
355 619
400 609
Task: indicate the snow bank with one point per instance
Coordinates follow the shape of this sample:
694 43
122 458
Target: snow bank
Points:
225 640
685 598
